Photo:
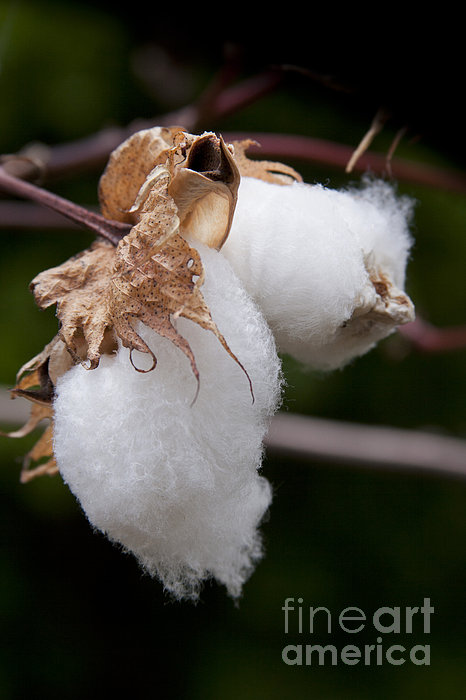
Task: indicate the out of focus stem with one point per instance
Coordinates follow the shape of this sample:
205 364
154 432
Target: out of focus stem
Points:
112 231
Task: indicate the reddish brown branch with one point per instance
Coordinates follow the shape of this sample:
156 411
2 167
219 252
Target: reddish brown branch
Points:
110 230
93 152
427 338
373 447
421 335
338 155
27 215
220 99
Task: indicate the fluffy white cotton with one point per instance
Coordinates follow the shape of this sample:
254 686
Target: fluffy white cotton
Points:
326 267
177 483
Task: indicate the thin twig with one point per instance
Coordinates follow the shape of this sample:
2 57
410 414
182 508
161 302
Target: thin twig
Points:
110 230
374 129
428 338
336 155
95 150
394 145
31 216
317 439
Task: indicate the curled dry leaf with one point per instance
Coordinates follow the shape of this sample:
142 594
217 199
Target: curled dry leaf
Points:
35 384
189 189
79 288
204 180
128 168
166 183
158 275
266 170
43 449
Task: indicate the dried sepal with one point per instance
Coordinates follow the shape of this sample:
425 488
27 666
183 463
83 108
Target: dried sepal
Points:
269 171
37 414
205 191
189 191
42 449
204 180
33 462
150 260
392 307
36 385
157 277
79 288
128 167
205 173
43 370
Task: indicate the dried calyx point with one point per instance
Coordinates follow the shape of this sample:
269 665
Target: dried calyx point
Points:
174 189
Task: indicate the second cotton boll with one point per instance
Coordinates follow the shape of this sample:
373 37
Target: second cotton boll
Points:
174 482
326 267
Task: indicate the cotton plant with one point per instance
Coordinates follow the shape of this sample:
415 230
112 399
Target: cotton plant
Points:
161 382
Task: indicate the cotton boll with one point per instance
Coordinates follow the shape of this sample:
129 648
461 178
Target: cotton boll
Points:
380 219
326 267
177 482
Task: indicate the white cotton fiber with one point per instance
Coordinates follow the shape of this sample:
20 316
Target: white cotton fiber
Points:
326 267
177 482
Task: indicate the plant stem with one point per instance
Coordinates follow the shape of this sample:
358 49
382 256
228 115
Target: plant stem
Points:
373 447
112 231
330 153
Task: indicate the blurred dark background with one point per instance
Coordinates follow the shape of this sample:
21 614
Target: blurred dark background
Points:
77 618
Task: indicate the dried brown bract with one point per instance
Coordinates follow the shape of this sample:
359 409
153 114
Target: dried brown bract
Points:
171 187
269 171
34 383
79 289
